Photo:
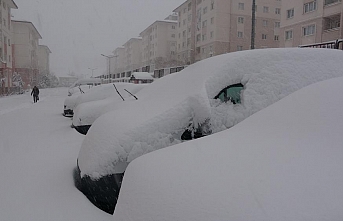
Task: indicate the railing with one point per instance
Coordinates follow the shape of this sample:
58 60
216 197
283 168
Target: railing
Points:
336 44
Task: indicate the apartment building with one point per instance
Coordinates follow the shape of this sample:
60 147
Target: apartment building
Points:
6 57
117 62
310 21
25 50
211 27
133 55
159 45
43 54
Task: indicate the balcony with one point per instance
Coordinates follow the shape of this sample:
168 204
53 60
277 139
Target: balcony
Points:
329 2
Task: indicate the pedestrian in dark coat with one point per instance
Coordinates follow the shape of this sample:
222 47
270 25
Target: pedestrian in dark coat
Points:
35 93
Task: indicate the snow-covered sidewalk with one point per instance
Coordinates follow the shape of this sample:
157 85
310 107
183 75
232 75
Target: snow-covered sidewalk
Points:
38 152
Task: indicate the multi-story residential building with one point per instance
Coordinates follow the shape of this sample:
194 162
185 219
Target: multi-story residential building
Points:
6 57
43 59
310 21
118 62
133 54
25 47
159 45
212 27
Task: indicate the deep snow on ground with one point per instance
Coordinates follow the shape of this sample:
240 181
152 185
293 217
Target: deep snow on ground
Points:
38 152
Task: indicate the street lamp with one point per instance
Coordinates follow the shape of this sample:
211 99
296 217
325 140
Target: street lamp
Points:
92 69
109 57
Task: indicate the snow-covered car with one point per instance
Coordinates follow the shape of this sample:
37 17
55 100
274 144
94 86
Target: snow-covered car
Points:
283 163
206 97
86 113
91 94
85 83
81 86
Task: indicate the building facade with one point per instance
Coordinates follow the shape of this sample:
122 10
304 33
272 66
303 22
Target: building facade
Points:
211 27
43 54
310 21
25 52
6 41
132 56
159 45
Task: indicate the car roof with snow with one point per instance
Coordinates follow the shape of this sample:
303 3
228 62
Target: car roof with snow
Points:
168 105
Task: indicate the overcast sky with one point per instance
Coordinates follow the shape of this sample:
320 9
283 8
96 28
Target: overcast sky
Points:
79 31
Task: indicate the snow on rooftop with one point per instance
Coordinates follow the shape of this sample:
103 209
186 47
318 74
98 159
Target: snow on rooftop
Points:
142 75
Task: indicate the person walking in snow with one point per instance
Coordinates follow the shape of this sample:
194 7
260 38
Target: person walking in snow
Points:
35 93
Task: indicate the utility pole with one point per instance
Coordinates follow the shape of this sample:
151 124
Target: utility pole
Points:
109 61
253 23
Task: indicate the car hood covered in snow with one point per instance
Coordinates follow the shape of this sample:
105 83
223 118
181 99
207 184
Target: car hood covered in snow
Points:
168 105
87 112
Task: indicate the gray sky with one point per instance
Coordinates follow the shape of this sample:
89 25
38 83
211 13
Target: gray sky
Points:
78 31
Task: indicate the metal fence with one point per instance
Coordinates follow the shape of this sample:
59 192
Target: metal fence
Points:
336 44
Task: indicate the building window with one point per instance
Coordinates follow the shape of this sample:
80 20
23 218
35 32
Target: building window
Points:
204 37
212 20
173 26
189 6
309 30
290 13
211 34
277 24
265 9
264 36
265 23
276 37
239 48
204 23
277 11
198 37
173 35
240 34
184 33
212 4
204 10
241 20
241 6
289 35
310 6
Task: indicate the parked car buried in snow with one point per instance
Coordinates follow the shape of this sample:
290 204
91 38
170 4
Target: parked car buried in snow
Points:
87 112
282 163
206 97
81 86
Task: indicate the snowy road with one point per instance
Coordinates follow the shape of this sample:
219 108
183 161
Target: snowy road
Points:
38 151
